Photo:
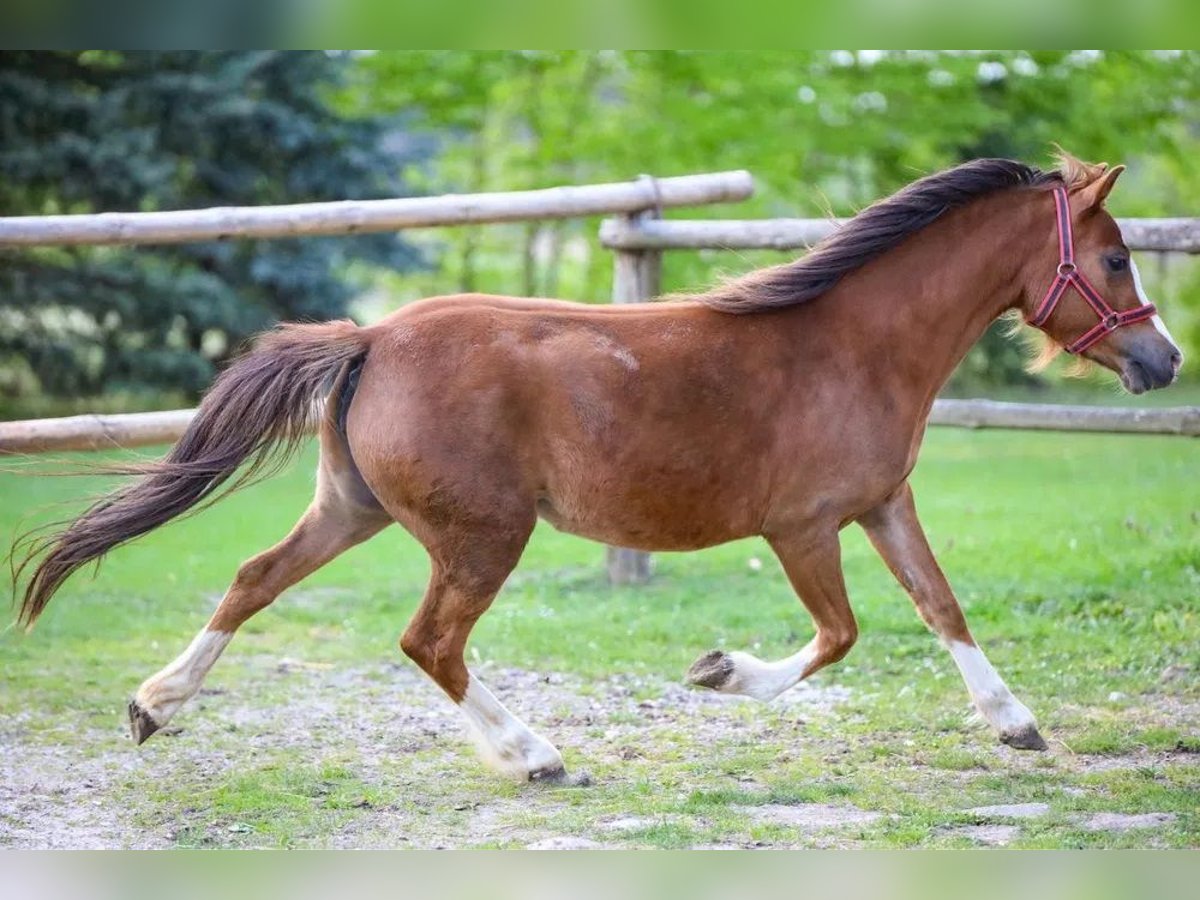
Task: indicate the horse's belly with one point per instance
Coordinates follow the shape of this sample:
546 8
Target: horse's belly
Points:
663 521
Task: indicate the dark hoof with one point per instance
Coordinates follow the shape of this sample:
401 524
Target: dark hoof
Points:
1025 739
141 725
558 777
712 670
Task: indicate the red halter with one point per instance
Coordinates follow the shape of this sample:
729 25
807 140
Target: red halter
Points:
1069 276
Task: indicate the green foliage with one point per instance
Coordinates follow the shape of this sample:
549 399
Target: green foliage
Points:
823 133
108 131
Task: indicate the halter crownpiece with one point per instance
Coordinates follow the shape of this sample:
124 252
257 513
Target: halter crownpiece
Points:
1068 275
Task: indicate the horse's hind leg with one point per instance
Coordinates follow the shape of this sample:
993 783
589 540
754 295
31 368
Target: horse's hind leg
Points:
342 514
813 564
469 565
895 531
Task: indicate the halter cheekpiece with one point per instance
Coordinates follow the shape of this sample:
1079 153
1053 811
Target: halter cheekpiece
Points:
1068 275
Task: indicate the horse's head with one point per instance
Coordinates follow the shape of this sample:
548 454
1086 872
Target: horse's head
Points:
1103 316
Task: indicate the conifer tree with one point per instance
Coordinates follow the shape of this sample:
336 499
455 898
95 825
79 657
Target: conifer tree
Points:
114 131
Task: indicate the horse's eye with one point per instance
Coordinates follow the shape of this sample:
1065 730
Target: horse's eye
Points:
1117 263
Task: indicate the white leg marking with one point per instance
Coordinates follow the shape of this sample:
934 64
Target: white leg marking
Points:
504 741
991 695
162 694
767 680
1157 321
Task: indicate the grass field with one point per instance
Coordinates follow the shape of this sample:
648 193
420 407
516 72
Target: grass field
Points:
1077 559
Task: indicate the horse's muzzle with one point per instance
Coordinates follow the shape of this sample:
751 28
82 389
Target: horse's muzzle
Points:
1147 371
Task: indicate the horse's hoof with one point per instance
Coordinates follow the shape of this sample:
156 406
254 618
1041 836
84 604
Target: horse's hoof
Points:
1026 738
558 777
712 670
141 723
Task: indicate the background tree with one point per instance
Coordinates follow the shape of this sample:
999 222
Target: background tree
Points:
105 131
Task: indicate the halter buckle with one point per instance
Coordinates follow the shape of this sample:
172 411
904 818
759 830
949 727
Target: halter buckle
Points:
1066 269
1111 321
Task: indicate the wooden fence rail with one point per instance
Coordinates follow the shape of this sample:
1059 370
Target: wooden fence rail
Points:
99 432
94 432
360 216
1160 235
1184 420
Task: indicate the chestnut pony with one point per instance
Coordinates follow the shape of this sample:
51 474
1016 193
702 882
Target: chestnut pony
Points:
787 403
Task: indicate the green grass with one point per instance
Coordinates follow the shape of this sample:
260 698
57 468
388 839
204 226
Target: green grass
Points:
1076 558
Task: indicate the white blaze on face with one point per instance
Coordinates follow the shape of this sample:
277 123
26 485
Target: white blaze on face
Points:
504 741
1159 325
991 695
162 694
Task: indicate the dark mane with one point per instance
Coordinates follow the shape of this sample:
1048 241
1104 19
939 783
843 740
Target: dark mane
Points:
873 232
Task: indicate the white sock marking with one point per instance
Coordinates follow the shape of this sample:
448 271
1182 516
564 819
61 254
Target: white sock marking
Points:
162 694
767 680
504 741
991 695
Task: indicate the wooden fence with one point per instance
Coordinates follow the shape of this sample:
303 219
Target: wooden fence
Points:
108 432
361 216
633 234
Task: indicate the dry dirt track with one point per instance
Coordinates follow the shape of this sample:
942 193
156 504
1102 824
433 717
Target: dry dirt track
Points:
387 723
382 762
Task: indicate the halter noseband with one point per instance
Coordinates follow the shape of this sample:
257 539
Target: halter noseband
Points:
1068 275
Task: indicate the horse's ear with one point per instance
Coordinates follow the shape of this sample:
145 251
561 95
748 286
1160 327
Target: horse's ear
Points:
1093 194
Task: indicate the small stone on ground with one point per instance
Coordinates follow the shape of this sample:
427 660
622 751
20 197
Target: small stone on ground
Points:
1011 811
628 823
1127 822
988 835
810 816
563 843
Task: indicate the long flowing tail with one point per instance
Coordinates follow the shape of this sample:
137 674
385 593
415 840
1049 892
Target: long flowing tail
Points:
258 410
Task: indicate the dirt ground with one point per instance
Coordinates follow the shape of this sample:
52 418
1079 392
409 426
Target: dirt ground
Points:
384 762
393 726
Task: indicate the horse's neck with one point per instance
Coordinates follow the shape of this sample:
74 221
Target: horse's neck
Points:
919 310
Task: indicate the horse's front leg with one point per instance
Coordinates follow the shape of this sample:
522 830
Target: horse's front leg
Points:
813 563
896 533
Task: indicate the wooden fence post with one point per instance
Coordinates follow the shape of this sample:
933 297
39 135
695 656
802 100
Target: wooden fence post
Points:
637 277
